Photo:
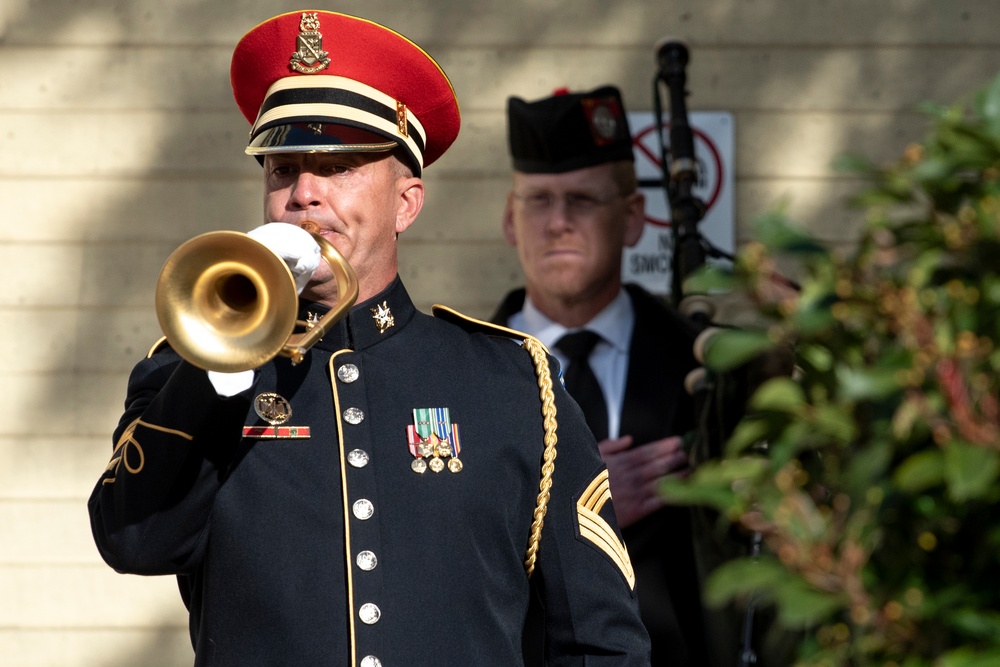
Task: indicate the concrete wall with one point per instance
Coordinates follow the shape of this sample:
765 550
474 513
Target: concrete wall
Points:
119 140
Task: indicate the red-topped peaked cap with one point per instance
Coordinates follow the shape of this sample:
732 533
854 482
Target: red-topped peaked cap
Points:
314 80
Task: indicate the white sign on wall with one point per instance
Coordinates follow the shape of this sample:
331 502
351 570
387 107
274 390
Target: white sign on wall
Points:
648 263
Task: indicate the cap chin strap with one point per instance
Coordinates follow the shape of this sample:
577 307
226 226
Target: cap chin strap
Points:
323 148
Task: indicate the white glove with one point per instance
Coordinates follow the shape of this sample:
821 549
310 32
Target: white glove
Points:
230 384
294 245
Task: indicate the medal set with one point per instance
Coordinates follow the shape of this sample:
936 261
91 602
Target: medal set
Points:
433 441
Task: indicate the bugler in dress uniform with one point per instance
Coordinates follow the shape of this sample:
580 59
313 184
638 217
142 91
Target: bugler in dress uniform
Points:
311 550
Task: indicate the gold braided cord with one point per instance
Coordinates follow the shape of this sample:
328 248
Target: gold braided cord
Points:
538 356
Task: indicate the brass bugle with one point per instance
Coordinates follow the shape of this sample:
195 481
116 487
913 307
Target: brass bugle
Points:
226 302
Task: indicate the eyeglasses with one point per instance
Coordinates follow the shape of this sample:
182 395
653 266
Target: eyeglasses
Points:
577 204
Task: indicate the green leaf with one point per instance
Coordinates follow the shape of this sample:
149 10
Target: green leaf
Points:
712 482
857 165
748 432
867 467
732 348
799 604
970 657
969 470
690 492
781 394
988 106
919 472
836 421
777 233
818 356
813 318
743 577
860 384
978 622
710 278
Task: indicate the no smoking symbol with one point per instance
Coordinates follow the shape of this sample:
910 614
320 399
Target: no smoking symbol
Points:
709 173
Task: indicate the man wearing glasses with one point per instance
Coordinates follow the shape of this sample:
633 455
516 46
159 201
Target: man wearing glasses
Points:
573 207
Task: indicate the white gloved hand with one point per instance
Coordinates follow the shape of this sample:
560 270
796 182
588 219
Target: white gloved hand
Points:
230 384
294 245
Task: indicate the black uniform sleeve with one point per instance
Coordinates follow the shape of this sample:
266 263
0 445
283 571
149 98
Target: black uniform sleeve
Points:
150 510
584 574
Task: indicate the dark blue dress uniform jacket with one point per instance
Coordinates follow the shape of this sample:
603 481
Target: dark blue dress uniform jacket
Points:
265 535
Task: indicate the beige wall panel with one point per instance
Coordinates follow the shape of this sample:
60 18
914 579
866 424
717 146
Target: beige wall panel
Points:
98 274
729 77
77 340
457 275
87 596
98 209
61 403
477 22
821 206
123 144
870 78
126 647
461 208
63 469
124 78
46 532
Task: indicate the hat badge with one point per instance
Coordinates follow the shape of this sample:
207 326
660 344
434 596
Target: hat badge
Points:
604 122
310 56
603 115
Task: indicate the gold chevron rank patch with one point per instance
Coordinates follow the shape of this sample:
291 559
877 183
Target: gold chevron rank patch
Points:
599 532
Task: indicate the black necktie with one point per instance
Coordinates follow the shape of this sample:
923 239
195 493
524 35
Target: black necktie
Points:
581 383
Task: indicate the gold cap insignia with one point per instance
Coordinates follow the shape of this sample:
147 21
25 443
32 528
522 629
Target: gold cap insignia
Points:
310 57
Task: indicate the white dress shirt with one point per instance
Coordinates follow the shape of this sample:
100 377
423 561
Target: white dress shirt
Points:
610 357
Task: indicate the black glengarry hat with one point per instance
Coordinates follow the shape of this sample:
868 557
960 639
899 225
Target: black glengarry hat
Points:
568 131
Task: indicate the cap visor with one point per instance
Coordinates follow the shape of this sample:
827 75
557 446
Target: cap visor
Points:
317 137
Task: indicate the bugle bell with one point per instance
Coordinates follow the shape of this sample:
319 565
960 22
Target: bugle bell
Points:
226 302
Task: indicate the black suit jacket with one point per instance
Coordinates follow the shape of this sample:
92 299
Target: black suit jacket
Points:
661 545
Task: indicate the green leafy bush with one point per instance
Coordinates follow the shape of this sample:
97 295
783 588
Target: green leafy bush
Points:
877 497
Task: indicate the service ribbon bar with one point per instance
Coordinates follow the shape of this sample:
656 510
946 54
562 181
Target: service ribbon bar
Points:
276 431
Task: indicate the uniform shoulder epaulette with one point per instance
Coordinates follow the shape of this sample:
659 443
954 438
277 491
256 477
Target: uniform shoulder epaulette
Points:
157 346
473 325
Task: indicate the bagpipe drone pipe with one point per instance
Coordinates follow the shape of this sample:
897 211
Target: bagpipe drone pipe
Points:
720 397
